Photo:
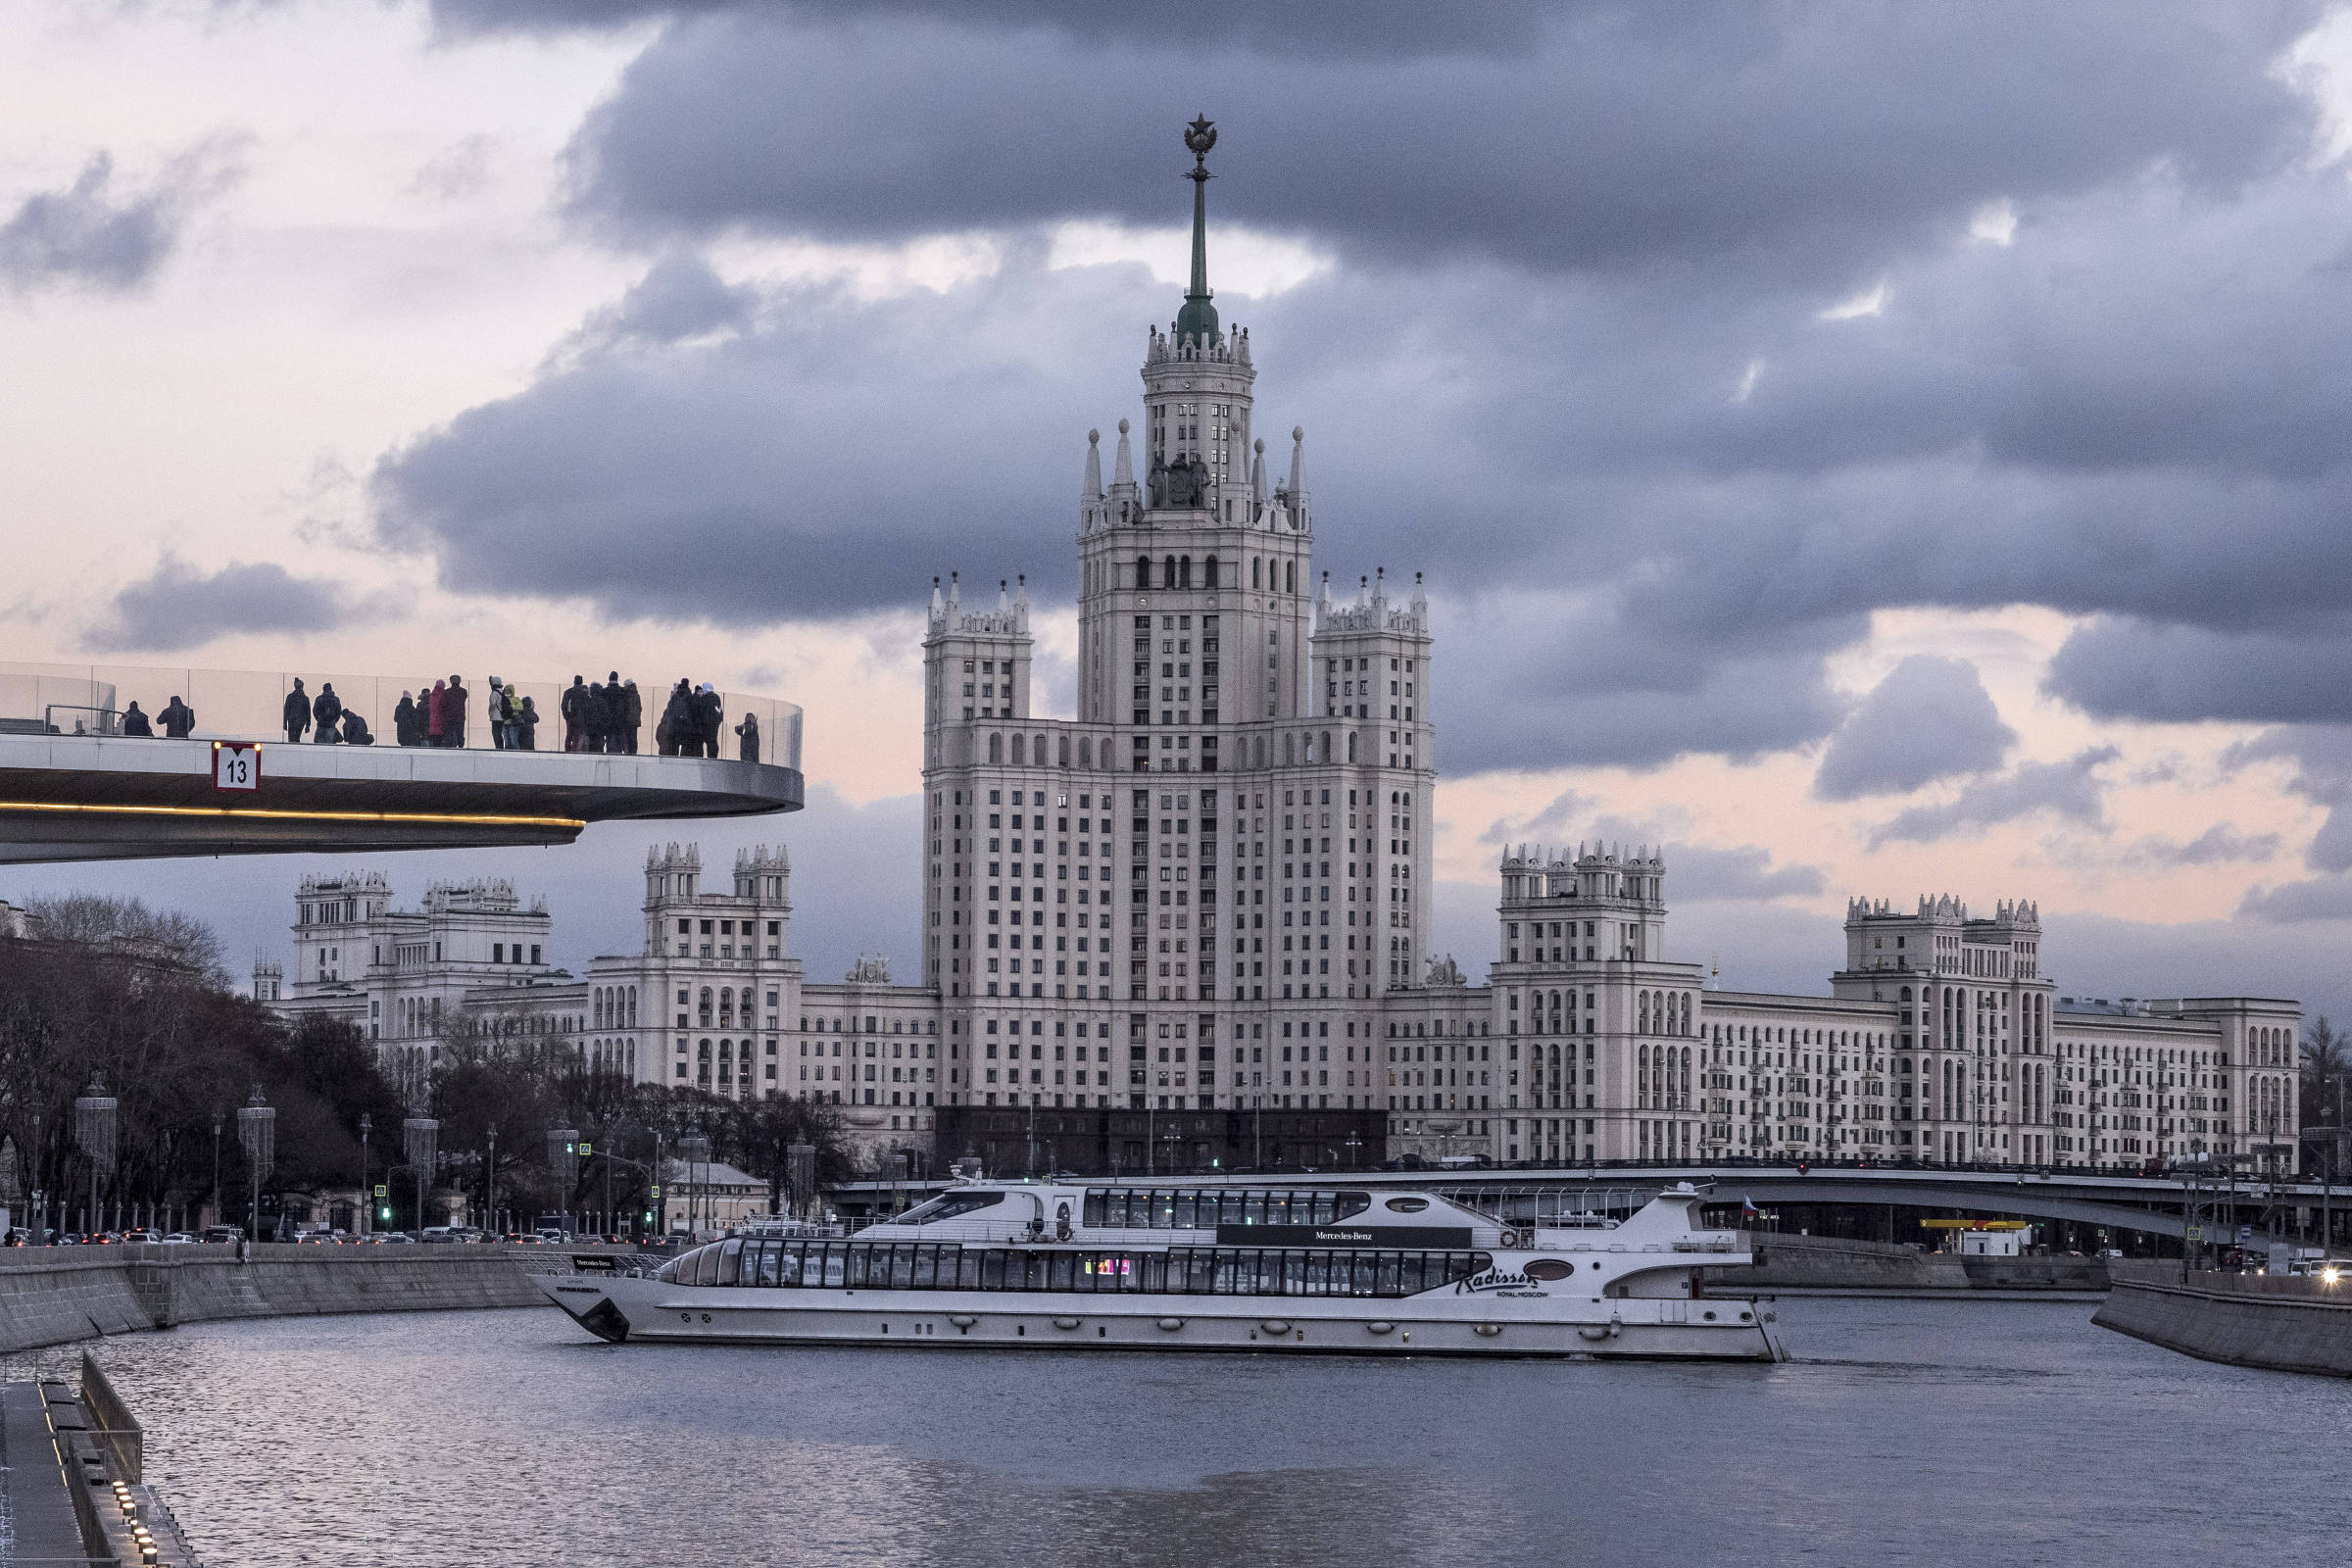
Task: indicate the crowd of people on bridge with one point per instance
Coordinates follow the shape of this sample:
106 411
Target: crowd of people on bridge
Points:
605 716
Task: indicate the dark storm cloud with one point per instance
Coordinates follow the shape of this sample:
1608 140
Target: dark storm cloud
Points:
2218 845
1931 719
1352 28
97 233
1611 134
1649 500
2071 789
1699 872
2323 898
2127 668
176 606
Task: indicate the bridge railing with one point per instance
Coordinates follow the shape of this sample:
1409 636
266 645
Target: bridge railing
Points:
246 706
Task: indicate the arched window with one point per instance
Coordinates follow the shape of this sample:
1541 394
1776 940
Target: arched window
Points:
1167 572
1143 572
1351 746
1020 750
1289 576
1256 566
1086 751
1183 572
1289 750
1258 751
1061 752
995 748
1212 580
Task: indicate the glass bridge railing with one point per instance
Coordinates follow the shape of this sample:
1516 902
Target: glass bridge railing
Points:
132 702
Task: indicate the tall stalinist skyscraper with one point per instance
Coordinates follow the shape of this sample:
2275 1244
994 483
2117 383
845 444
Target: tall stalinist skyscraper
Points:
1192 895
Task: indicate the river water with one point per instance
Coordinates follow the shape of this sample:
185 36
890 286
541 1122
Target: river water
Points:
1910 1431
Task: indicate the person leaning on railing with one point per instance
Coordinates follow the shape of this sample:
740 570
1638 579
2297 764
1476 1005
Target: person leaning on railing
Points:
135 722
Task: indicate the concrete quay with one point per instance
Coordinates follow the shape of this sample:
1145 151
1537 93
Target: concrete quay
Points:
1829 1266
2289 1323
54 1296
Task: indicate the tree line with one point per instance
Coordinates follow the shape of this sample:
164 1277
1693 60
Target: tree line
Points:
105 992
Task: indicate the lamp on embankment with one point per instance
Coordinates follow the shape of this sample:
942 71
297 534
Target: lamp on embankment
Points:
95 1123
257 1135
420 1142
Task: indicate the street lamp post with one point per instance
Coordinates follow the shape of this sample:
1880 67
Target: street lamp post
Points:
366 1194
420 1142
216 1165
94 1120
490 1182
256 1133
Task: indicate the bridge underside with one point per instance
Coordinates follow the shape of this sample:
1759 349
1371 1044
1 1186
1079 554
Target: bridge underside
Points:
81 797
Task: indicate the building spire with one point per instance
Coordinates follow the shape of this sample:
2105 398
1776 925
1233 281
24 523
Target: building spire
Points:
1198 320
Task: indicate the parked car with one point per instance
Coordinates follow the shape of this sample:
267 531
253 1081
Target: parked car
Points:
178 1238
394 1239
224 1233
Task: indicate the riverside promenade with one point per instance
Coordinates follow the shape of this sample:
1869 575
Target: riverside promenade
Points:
55 1295
2289 1323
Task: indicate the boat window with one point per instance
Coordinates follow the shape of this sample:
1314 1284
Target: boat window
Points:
730 1257
1187 1205
1326 1207
949 1205
1253 1208
901 1267
667 1273
1408 1206
769 1254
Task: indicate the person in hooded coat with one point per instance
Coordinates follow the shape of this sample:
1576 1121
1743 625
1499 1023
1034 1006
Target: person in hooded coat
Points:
327 709
179 720
596 718
135 722
710 718
297 712
669 735
526 726
455 733
354 729
403 721
614 709
632 717
436 714
749 729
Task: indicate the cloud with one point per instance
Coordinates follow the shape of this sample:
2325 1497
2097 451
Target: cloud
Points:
457 171
96 235
1699 872
680 298
2327 898
2071 789
2218 845
2129 668
2322 759
1564 810
1560 135
1931 719
178 606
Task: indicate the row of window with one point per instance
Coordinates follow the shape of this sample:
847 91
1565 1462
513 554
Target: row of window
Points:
1178 1271
1135 1209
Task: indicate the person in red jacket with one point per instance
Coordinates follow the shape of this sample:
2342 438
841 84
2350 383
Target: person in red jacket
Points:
436 715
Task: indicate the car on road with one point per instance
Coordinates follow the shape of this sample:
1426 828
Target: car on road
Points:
217 1234
178 1238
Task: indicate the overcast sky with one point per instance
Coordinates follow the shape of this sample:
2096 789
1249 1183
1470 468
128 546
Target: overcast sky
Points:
1871 449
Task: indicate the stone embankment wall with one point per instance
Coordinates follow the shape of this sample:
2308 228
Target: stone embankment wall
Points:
2297 1323
1799 1264
51 1296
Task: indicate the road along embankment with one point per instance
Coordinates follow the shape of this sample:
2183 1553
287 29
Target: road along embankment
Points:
2294 1323
53 1295
1835 1265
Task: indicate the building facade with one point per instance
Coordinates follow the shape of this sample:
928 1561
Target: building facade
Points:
1204 897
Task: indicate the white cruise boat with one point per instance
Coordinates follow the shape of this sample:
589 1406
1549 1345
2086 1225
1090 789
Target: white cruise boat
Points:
1051 1266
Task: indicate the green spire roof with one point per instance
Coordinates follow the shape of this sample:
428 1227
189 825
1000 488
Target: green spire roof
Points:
1198 318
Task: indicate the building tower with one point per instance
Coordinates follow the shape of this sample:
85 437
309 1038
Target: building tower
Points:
1235 824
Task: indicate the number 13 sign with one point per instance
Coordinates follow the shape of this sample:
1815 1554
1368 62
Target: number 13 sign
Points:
236 768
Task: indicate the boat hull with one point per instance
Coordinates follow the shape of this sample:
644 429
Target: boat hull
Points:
642 1310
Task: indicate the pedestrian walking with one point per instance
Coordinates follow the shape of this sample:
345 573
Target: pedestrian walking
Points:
297 712
179 720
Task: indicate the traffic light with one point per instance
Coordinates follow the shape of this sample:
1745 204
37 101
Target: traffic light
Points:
384 1213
